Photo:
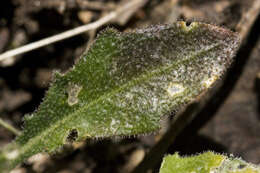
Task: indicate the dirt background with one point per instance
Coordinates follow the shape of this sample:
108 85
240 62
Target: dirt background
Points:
228 123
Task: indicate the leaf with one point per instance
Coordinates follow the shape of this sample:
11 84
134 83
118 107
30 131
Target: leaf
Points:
208 162
124 84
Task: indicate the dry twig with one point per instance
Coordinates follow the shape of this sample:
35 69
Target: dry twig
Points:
96 5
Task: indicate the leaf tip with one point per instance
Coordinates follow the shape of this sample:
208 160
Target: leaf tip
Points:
188 27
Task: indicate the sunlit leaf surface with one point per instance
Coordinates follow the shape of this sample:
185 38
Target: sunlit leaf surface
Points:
208 162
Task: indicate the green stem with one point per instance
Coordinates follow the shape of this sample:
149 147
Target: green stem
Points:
9 127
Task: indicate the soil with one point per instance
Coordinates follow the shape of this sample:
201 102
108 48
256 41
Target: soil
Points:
229 123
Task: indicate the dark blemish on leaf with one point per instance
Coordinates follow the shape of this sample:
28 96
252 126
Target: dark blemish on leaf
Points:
188 23
72 136
241 166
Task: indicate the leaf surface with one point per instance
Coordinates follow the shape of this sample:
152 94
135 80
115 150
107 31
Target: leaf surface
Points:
124 84
208 162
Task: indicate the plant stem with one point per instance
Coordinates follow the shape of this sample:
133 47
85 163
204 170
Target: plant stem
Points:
9 127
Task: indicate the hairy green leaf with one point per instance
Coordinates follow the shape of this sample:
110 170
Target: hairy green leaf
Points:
208 162
124 84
